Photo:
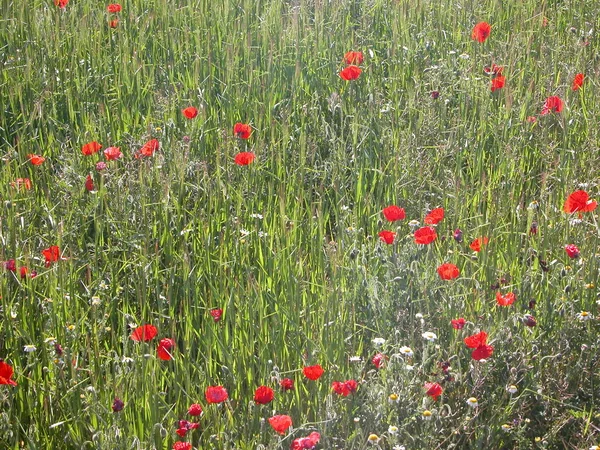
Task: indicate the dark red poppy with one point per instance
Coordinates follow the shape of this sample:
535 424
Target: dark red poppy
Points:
24 271
195 409
572 251
434 390
435 216
165 349
552 104
579 201
287 384
458 235
448 271
117 405
36 160
216 394
393 213
477 243
481 31
144 333
497 83
90 148
280 423
350 73
148 148
425 235
51 254
242 130
61 3
22 183
11 265
263 395
113 8
578 81
182 446
114 23
6 374
344 388
308 442
529 320
216 314
387 236
190 112
458 324
353 58
112 153
89 183
506 299
244 158
313 372
379 360
435 94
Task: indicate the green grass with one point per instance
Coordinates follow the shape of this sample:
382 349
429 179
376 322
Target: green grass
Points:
166 239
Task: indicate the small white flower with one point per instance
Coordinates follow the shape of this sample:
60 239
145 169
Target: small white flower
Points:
584 316
50 340
512 389
419 316
472 402
373 438
244 232
378 342
356 419
262 234
95 300
126 360
506 427
409 368
595 447
429 336
398 447
29 348
406 351
533 205
392 429
393 398
256 216
413 223
427 415
355 359
345 208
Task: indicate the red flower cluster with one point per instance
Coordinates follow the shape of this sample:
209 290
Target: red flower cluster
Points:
579 201
479 343
425 235
344 388
477 243
578 81
263 395
242 130
448 271
352 71
379 360
216 394
308 442
387 236
435 216
244 158
434 390
144 333
506 299
393 213
148 149
552 104
6 374
51 254
313 372
280 423
90 148
165 349
481 32
458 324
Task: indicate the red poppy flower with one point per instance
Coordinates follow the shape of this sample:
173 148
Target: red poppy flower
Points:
244 158
313 372
344 388
552 104
578 81
113 8
579 201
117 405
448 271
182 446
11 265
112 153
481 31
114 23
23 271
6 373
242 130
506 299
165 349
36 160
22 183
497 83
572 251
308 442
287 384
280 423
148 148
458 324
216 314
89 183
90 148
353 58
393 213
263 395
425 235
435 216
144 333
434 390
387 236
195 409
61 3
379 360
190 112
350 73
216 394
477 243
476 340
51 254
482 352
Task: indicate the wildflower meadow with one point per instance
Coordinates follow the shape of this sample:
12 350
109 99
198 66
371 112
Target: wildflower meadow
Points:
299 224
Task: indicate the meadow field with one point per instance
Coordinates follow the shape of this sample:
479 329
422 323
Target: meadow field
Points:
297 224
